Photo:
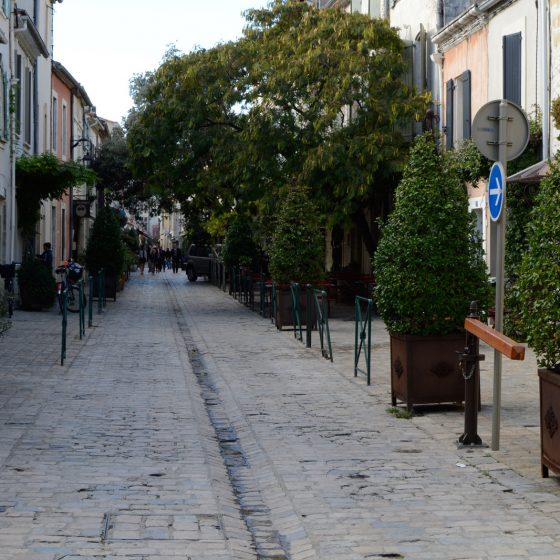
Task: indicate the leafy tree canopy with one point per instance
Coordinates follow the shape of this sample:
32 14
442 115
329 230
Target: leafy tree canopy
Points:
309 96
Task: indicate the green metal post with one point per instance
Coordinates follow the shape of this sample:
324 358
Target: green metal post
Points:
296 311
64 325
308 314
100 292
81 308
362 339
90 305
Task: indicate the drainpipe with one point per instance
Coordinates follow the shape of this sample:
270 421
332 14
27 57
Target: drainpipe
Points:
11 226
439 14
544 68
385 11
71 189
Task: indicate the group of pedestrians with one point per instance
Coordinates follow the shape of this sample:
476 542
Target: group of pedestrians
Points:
159 259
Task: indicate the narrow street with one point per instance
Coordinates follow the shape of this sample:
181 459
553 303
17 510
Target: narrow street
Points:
187 427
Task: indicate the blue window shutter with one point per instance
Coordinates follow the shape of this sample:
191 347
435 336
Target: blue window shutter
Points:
512 67
450 86
466 78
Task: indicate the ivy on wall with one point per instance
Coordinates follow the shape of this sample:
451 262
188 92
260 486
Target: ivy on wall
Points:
43 177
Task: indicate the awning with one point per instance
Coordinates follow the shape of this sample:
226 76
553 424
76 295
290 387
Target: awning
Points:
533 174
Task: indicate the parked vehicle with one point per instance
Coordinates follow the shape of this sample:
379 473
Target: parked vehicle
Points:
197 261
68 275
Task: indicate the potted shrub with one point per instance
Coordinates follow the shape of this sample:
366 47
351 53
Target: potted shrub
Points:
105 251
239 247
297 252
5 323
37 286
538 288
429 266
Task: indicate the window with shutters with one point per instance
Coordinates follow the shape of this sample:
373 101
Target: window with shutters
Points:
28 105
458 110
3 102
512 67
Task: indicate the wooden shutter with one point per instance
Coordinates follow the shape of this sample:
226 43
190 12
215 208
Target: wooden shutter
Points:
512 67
466 78
450 86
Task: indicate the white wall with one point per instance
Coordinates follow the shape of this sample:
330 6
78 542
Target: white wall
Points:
555 67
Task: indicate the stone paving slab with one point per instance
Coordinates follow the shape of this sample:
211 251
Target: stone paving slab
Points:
363 483
112 455
186 426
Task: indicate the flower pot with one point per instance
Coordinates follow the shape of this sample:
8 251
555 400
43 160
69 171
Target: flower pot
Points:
30 301
425 369
549 390
110 286
284 308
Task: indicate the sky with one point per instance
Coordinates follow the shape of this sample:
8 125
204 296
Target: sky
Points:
103 43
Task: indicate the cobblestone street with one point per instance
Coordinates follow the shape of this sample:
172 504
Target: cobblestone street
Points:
185 426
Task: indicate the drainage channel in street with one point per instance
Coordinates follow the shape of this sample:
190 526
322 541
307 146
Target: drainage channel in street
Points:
254 511
267 541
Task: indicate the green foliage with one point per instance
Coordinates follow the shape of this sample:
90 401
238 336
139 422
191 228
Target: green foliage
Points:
520 202
555 112
36 283
297 249
227 127
131 239
105 248
43 177
539 274
468 162
239 244
533 151
429 264
5 323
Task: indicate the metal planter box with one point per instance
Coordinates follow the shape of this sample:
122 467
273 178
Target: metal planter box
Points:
425 369
549 390
284 313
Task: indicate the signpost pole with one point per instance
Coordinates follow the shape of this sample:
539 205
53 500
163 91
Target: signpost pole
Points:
500 250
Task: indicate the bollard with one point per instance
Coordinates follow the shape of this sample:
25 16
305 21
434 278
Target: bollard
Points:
469 361
81 308
90 304
99 293
308 314
64 325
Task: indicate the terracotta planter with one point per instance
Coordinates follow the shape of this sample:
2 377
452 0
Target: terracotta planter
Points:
425 369
284 312
549 390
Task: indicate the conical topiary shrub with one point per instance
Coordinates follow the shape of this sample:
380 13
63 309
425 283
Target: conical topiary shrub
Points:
429 263
429 267
105 248
297 251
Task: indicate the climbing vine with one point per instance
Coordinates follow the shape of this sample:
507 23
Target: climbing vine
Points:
43 177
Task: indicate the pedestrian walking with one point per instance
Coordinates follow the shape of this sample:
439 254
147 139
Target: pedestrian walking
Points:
153 258
175 257
142 258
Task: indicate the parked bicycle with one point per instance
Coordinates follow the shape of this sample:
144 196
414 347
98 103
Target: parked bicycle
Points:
68 276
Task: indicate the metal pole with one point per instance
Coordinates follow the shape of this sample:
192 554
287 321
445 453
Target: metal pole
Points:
309 302
500 249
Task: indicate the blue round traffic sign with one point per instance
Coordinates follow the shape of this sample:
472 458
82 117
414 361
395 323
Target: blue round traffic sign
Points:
496 191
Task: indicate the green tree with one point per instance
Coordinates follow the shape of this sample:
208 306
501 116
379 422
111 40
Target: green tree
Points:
538 284
307 96
105 247
429 264
297 252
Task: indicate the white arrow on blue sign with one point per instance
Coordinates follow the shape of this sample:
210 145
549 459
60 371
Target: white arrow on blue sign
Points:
496 191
